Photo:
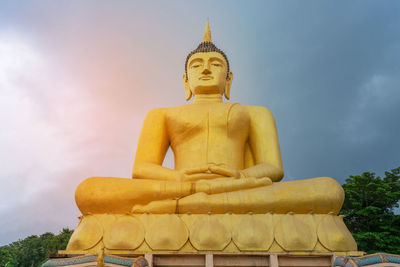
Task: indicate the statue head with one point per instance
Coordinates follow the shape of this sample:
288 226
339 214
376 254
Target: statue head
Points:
207 69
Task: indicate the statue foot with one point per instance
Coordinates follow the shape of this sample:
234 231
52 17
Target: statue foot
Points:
158 206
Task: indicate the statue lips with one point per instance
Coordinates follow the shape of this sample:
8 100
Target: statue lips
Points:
206 78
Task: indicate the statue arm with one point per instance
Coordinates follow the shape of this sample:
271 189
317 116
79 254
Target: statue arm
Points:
152 147
264 144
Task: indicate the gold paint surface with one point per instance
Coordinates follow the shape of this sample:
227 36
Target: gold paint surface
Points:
334 235
227 161
296 232
252 232
209 233
106 220
126 232
88 233
227 158
166 232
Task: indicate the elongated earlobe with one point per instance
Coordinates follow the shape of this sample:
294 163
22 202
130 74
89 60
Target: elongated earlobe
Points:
228 84
188 92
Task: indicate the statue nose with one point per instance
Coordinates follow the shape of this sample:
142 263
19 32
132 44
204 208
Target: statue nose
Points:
206 71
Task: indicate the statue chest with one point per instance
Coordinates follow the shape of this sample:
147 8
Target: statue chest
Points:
217 123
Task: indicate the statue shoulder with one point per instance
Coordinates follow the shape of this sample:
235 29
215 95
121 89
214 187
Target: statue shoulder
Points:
156 115
157 112
163 113
259 113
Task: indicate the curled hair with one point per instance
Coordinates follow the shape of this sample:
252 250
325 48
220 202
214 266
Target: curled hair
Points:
205 47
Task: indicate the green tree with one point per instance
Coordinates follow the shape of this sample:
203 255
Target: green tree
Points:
369 208
6 258
33 250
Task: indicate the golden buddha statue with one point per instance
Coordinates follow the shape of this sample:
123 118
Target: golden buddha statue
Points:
227 159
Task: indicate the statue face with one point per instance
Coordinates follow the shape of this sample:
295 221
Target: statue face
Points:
207 73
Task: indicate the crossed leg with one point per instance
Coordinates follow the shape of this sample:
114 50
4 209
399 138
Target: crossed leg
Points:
317 195
118 195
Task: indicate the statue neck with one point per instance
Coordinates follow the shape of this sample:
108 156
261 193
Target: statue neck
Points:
207 98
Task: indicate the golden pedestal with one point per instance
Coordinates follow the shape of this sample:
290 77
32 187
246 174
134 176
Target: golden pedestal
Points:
226 233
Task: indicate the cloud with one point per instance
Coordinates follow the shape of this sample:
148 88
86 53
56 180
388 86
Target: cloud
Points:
64 118
38 140
377 98
24 132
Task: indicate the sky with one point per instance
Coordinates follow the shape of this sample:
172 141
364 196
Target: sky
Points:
78 77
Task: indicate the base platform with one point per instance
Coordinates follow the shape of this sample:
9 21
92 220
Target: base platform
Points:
229 260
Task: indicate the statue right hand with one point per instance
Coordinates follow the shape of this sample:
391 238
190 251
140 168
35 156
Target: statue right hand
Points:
225 171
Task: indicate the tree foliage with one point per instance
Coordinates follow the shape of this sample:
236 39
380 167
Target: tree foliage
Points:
33 250
369 211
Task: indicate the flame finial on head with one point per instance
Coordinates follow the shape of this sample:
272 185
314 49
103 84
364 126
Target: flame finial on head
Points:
207 33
